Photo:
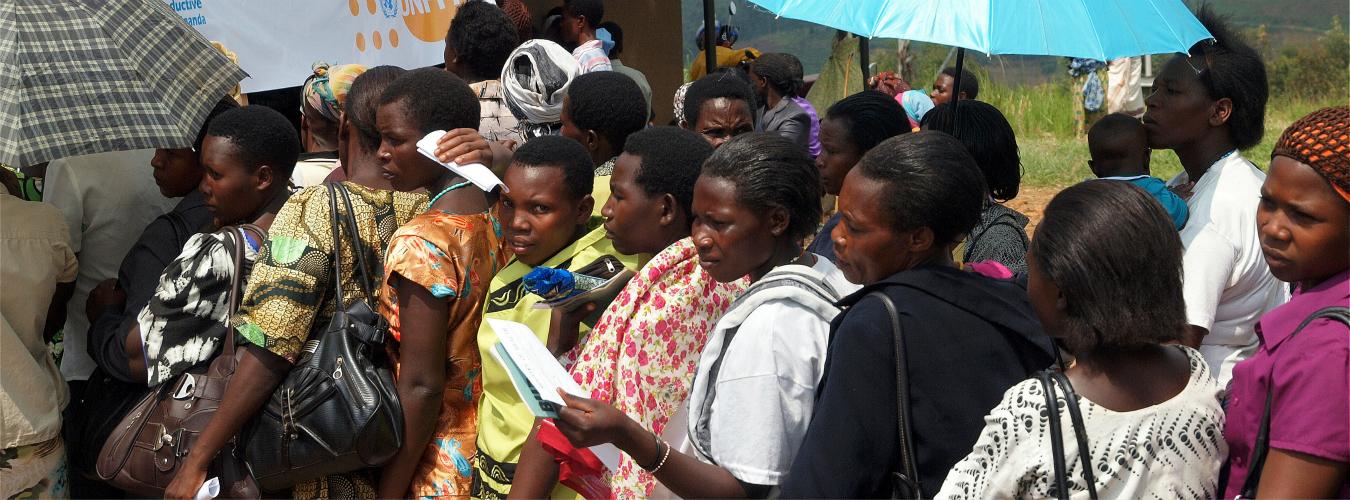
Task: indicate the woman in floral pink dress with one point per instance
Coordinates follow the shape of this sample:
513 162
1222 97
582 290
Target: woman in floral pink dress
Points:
642 353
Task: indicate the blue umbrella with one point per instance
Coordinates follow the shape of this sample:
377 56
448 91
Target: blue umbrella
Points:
1095 29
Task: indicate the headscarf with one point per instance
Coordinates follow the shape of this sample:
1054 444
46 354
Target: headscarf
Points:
520 16
1321 140
535 79
679 102
326 89
916 104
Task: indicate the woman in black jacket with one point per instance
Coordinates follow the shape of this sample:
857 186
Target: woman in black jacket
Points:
968 338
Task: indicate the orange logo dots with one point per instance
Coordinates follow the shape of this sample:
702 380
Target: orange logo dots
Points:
428 20
370 6
393 38
375 39
361 42
355 7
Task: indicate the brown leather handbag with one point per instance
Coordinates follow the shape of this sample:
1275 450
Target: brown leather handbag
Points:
145 450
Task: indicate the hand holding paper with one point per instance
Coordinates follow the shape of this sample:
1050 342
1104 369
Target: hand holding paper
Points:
460 144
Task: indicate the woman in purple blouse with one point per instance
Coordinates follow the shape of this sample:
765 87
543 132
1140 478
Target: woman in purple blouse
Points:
1304 220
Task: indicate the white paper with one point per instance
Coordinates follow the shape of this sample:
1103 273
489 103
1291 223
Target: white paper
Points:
210 489
534 361
477 173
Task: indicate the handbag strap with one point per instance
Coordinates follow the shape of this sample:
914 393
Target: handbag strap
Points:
336 229
362 272
1056 436
908 475
239 237
1262 448
1053 381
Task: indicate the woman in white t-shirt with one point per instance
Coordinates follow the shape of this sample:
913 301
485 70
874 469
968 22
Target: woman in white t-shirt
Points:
755 201
1205 107
1109 292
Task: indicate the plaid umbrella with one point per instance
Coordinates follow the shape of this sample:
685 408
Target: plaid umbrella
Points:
87 76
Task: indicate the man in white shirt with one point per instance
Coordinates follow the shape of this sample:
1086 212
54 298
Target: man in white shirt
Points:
107 199
1227 283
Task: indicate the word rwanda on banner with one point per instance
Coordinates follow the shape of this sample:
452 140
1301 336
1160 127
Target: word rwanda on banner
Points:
278 41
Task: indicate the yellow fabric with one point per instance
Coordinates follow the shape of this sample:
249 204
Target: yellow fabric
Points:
600 193
503 419
726 58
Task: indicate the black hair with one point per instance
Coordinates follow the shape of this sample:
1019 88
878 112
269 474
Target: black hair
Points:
869 117
224 104
776 68
616 36
1113 135
1234 70
1113 253
798 75
483 37
261 136
555 151
608 102
969 83
988 137
722 85
592 10
671 160
770 171
363 100
434 99
930 181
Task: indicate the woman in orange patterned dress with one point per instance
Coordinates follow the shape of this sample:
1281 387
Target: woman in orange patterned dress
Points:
437 267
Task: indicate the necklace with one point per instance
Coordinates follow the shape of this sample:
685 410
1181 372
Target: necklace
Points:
446 190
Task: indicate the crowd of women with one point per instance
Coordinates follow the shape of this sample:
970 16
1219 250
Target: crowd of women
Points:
914 342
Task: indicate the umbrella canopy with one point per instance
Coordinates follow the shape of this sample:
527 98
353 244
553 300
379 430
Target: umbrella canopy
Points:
1096 29
88 76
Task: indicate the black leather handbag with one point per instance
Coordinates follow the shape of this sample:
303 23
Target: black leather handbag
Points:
338 409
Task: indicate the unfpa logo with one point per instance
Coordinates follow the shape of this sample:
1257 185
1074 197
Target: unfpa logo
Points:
426 20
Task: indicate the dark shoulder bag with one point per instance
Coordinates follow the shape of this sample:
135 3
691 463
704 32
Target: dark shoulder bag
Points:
1050 380
1262 447
905 481
337 411
143 453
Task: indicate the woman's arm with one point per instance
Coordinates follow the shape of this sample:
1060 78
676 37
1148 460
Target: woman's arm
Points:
587 422
259 373
1290 474
135 354
421 379
537 472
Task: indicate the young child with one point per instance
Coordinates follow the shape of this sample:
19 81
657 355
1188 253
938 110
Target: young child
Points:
1119 149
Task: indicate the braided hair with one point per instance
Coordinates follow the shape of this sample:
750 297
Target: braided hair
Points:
869 117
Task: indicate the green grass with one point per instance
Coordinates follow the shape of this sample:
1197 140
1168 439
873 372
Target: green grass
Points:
1042 117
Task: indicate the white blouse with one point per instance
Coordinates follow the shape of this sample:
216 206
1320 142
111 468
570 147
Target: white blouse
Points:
1169 450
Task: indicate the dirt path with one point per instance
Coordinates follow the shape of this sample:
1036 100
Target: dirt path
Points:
1031 201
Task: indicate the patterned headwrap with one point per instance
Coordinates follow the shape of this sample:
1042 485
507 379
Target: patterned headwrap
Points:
679 102
535 79
1321 140
326 89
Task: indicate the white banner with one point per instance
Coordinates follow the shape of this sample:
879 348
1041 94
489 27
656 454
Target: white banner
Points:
278 41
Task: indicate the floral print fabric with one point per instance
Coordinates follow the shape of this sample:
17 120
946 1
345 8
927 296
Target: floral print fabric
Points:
453 257
642 355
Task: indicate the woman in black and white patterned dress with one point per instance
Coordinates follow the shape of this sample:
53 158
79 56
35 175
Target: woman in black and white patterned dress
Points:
1105 281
